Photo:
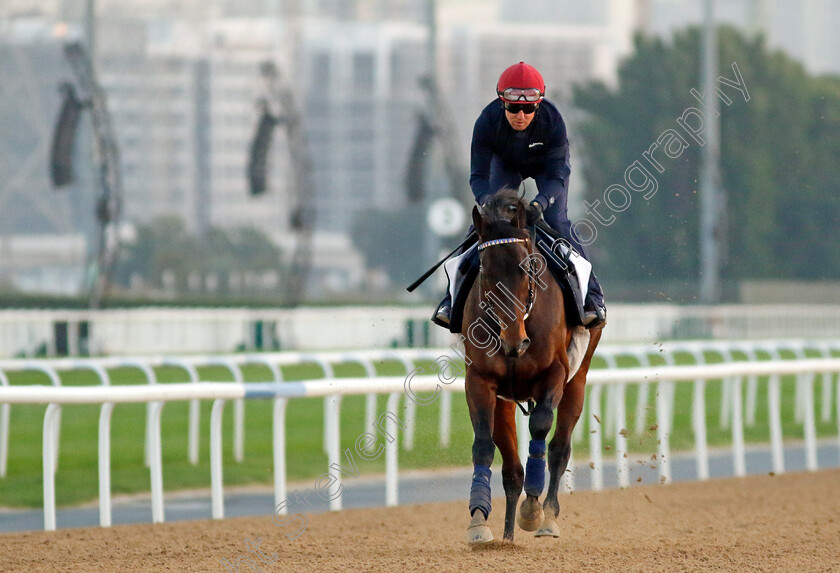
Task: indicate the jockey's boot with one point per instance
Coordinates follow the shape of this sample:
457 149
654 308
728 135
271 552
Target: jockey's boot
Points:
594 310
443 312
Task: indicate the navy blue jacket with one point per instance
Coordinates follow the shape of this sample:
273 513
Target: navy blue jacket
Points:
540 150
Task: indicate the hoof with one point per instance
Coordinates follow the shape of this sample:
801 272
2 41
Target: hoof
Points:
530 514
549 528
478 533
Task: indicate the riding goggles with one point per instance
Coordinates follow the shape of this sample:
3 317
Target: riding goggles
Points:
520 94
515 108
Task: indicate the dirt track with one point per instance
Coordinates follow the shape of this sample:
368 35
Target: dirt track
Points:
764 523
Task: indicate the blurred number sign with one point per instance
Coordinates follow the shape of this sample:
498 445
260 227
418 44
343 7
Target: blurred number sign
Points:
446 217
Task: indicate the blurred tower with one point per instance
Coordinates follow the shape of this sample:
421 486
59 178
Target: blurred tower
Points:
712 199
623 22
643 17
761 16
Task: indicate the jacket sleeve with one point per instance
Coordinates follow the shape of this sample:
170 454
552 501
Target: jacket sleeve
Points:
557 168
481 154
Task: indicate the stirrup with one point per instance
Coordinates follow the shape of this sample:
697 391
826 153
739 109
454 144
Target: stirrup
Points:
443 315
595 317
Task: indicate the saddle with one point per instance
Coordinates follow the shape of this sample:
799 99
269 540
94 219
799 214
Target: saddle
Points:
568 268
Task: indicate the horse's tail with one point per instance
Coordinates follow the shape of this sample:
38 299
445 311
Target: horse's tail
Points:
577 349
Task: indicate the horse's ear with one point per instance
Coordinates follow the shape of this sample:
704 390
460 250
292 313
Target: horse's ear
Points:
478 220
521 220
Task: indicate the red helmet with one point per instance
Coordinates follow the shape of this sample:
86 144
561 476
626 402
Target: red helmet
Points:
521 83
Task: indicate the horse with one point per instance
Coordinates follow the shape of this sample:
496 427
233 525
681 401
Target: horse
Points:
519 347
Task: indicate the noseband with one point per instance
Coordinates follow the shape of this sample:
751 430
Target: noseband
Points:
530 303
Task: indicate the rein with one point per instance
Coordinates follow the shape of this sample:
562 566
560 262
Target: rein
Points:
530 302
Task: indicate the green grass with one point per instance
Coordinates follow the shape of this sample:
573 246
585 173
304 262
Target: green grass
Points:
77 476
77 481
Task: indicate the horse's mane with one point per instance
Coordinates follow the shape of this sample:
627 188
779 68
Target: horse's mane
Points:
501 212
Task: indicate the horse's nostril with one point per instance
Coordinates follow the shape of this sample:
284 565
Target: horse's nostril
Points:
524 346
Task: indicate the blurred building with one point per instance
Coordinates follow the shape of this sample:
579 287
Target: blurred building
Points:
153 100
361 98
183 78
183 98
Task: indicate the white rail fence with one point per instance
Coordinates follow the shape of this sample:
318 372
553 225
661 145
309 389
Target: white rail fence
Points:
738 363
123 332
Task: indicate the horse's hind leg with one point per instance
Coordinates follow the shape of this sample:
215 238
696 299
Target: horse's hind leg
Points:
531 512
504 435
560 448
559 451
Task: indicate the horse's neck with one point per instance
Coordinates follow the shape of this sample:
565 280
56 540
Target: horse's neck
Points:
548 298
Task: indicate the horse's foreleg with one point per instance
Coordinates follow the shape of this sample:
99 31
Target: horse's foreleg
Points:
504 435
559 451
481 400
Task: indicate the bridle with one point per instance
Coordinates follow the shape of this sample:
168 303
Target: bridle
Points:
531 280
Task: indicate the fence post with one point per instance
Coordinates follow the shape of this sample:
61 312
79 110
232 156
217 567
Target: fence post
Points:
370 399
332 405
608 421
278 426
752 387
809 422
738 451
5 411
238 405
698 419
217 501
643 391
194 408
775 418
663 418
105 464
837 397
410 409
104 461
328 371
55 427
150 379
595 443
49 455
279 451
156 465
825 412
621 438
391 454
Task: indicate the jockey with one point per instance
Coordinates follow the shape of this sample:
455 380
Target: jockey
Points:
519 135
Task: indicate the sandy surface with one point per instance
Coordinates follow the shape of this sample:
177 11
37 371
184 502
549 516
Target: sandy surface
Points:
764 523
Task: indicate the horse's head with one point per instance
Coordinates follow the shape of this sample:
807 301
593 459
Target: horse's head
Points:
506 289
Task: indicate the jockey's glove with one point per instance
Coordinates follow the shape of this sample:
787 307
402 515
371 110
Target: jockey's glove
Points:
534 213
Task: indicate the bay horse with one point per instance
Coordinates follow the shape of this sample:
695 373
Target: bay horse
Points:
519 348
